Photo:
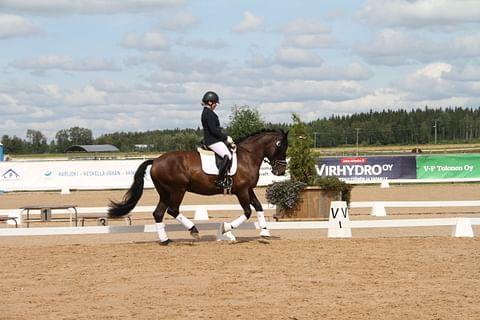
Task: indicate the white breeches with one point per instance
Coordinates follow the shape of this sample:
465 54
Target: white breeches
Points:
221 149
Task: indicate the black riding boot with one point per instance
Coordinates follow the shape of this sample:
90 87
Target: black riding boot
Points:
222 172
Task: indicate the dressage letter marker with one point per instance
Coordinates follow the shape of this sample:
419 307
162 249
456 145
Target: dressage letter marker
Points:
339 220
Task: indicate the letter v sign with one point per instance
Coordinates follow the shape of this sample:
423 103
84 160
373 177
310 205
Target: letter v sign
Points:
339 220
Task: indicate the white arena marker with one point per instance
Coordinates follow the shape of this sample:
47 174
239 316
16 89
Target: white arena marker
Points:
463 228
384 184
339 220
65 190
378 210
201 213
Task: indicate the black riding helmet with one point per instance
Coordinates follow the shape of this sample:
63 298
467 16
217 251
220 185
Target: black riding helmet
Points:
210 96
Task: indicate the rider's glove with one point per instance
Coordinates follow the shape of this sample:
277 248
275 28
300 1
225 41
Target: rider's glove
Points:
233 147
230 140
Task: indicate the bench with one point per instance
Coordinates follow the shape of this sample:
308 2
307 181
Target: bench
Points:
102 218
46 213
7 218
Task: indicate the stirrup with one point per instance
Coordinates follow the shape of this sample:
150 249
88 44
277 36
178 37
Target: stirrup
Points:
224 184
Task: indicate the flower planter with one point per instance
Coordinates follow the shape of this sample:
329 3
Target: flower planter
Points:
315 205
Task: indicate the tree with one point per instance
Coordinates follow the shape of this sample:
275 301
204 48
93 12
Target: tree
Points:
73 136
37 141
244 121
13 145
302 161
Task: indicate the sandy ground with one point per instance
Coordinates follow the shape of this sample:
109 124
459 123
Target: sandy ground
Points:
403 273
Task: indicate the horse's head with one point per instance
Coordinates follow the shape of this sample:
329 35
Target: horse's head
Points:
269 144
276 152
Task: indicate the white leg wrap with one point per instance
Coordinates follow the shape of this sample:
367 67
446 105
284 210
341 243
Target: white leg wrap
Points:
162 235
185 221
261 219
235 223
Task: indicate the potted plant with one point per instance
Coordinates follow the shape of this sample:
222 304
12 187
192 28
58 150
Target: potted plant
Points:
305 195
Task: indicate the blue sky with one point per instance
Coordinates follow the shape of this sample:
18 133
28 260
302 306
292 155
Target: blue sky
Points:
137 65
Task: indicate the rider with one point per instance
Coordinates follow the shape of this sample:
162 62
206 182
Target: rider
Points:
213 136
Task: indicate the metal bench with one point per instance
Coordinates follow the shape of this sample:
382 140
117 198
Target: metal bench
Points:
102 218
7 218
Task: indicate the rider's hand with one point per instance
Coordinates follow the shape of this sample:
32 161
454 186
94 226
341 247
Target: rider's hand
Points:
230 140
233 147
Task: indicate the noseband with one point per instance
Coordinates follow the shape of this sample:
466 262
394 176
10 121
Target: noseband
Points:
276 163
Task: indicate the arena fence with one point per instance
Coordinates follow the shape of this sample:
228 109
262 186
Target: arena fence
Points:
462 227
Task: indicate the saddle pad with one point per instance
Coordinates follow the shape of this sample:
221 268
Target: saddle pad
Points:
208 162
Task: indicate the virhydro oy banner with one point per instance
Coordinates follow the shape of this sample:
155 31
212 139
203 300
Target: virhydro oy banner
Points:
368 168
448 166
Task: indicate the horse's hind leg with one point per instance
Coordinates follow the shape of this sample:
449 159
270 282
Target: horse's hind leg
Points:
158 215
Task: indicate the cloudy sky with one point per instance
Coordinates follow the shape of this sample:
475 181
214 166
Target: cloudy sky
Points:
137 65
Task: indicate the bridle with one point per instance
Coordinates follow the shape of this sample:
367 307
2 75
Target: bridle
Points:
276 163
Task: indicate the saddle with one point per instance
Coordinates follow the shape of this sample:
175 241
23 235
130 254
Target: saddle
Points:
211 161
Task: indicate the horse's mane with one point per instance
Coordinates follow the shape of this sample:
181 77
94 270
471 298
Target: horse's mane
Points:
259 132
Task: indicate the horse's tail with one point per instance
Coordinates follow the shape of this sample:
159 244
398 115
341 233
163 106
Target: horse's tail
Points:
130 200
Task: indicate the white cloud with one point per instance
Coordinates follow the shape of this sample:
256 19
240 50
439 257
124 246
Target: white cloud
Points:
181 22
428 83
309 41
353 71
467 45
392 47
152 40
15 26
467 72
420 13
295 57
302 26
86 96
202 43
249 23
65 63
67 7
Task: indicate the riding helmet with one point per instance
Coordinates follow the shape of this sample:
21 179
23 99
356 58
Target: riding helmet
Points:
210 96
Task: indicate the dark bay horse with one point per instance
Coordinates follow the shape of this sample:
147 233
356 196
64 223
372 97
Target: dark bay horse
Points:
177 172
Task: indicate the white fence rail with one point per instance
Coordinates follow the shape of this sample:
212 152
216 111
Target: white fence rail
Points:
298 225
201 210
378 207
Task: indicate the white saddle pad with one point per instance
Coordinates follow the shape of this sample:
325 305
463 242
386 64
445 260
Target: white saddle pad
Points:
208 162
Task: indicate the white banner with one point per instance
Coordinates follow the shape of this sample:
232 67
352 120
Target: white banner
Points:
86 174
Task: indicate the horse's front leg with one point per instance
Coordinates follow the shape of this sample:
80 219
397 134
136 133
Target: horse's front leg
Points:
244 200
262 223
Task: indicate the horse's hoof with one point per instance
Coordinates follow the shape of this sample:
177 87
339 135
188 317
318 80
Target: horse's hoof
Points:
194 233
226 227
265 233
165 243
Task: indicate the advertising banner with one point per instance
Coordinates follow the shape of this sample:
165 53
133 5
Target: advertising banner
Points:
83 175
53 175
368 168
448 166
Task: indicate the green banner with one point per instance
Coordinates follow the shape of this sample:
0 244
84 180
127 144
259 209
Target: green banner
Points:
448 166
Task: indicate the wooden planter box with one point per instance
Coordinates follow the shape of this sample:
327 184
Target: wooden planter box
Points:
315 205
